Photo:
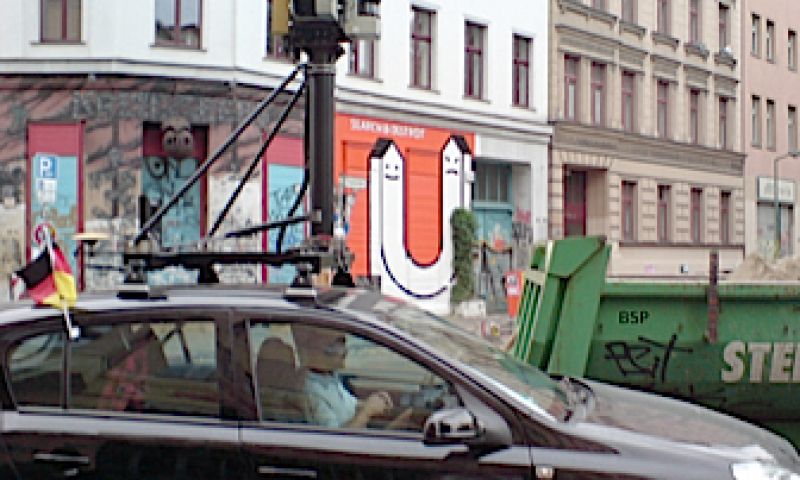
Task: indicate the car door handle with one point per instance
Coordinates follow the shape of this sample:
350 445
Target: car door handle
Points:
287 472
61 458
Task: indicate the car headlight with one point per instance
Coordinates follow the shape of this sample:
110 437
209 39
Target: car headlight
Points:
761 471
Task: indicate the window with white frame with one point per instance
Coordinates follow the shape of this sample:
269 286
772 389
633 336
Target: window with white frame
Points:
422 48
521 70
695 33
770 42
755 35
628 210
60 21
571 67
771 124
694 116
179 23
724 31
598 93
723 123
755 121
474 52
277 28
362 57
629 10
628 101
663 17
662 108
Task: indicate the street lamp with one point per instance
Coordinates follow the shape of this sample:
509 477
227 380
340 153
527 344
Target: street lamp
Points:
776 199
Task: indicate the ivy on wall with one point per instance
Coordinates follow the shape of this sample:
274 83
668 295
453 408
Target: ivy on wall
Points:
464 225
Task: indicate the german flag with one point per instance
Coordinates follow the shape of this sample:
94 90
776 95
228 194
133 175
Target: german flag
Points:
48 279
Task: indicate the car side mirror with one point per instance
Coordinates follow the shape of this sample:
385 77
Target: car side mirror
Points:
451 426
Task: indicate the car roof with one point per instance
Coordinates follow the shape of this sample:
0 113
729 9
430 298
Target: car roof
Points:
225 295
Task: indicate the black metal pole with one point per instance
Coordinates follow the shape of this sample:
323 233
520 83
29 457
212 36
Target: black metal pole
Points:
321 81
218 153
275 129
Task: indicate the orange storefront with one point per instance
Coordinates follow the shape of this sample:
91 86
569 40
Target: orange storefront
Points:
421 146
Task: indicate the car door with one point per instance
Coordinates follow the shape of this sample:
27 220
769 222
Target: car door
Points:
289 438
136 395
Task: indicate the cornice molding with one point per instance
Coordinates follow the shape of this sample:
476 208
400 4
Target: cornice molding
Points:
619 144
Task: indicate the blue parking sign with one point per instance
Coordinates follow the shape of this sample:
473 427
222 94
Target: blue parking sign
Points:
47 166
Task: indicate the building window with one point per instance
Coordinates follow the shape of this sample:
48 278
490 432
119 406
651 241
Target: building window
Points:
663 17
662 106
492 182
723 122
178 23
599 4
473 60
694 21
755 121
362 57
628 211
663 213
791 49
278 28
770 40
696 214
792 128
771 124
694 116
628 101
598 93
61 21
725 217
571 65
521 69
629 10
724 38
755 35
422 48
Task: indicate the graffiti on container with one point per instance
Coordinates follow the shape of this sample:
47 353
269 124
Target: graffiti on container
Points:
645 357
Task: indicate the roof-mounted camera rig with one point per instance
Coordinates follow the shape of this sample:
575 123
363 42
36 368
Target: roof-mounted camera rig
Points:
317 29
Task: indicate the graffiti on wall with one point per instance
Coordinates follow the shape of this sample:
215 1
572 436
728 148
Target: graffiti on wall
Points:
114 111
284 186
245 212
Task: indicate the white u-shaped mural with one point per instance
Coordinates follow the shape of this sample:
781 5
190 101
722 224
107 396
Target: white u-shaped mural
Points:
401 276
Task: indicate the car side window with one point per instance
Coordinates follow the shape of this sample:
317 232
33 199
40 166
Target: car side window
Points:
35 369
149 367
334 378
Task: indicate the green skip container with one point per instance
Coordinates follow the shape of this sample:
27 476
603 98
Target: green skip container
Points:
734 347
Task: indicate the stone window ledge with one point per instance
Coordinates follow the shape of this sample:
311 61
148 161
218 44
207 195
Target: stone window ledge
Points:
664 39
696 49
630 27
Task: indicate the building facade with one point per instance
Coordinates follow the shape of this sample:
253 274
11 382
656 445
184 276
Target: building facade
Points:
769 124
89 90
453 67
645 103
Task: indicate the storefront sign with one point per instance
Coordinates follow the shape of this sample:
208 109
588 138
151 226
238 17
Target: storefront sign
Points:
766 190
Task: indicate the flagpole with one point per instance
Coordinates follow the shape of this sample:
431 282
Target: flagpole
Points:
72 332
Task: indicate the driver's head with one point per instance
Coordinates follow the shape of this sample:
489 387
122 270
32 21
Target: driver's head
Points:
320 349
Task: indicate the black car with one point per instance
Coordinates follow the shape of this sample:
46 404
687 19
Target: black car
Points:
210 383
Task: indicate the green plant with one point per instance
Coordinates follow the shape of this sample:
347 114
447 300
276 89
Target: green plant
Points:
463 225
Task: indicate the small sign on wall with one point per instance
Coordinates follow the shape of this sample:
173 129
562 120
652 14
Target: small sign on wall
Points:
766 190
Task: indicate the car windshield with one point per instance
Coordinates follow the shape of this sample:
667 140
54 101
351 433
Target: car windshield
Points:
524 382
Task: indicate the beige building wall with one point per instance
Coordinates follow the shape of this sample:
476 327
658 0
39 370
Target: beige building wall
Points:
777 80
611 155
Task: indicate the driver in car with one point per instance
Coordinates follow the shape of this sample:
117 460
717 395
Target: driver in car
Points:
322 353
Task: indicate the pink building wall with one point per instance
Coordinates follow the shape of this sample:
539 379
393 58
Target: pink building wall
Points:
776 81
